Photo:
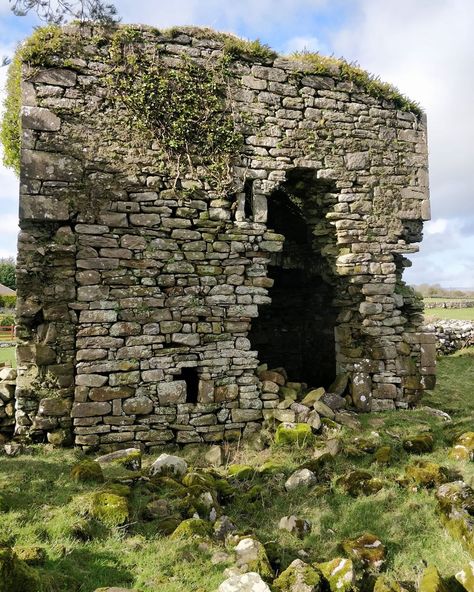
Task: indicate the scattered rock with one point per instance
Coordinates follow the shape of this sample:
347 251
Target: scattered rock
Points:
298 577
301 412
315 395
333 401
419 444
252 557
314 420
300 478
323 410
13 449
167 464
383 455
215 456
384 584
338 573
87 470
247 582
456 502
192 528
427 474
365 445
463 447
360 483
223 527
300 527
366 549
130 458
466 577
106 506
431 581
240 472
340 383
436 413
348 419
294 433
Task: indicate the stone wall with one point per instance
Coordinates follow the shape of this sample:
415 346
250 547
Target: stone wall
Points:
140 281
451 335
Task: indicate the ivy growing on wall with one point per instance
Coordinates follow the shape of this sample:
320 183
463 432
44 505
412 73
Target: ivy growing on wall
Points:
185 107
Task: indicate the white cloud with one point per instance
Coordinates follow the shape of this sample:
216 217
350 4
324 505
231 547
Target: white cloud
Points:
8 225
305 44
437 226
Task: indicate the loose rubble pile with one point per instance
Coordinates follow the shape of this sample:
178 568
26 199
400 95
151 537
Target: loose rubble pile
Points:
187 503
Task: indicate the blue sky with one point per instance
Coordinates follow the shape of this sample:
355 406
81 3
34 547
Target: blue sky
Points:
422 46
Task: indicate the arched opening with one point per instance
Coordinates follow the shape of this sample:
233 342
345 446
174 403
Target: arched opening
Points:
296 331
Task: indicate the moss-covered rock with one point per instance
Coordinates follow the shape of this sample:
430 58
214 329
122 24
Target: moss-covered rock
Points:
367 549
466 577
87 470
365 445
168 487
193 528
240 472
360 483
338 573
427 474
130 459
463 448
385 584
431 581
107 507
16 575
291 434
252 557
315 395
419 444
199 478
271 468
32 555
456 502
383 455
298 577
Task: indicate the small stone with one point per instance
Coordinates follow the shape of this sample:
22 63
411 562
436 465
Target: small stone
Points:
323 410
297 526
215 456
167 464
298 577
300 478
138 406
360 483
367 549
251 556
338 573
130 458
247 582
315 395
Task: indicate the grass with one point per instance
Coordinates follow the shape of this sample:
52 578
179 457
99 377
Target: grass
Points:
462 314
43 508
7 354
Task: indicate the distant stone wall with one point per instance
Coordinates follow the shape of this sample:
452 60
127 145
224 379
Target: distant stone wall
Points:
140 280
450 304
452 335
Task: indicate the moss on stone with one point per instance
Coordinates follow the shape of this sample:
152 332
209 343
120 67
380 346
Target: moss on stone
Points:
191 529
466 577
16 575
298 577
383 455
87 470
426 473
241 472
108 508
360 483
366 549
431 581
338 573
299 434
386 584
32 555
419 444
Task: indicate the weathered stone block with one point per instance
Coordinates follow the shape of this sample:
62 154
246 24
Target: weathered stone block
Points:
172 393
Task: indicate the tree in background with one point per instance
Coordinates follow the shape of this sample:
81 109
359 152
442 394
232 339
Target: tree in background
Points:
58 11
7 272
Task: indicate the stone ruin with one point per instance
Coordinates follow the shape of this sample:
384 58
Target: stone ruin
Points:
153 284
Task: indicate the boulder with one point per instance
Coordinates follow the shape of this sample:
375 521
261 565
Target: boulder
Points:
167 464
298 577
247 582
367 549
300 478
463 448
130 458
193 528
419 444
456 502
315 395
338 573
109 507
87 470
360 483
333 401
252 557
427 474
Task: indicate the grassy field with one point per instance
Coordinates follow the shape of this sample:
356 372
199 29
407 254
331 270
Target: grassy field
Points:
7 354
43 506
463 314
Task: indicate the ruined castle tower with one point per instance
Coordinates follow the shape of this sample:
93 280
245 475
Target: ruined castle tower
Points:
192 206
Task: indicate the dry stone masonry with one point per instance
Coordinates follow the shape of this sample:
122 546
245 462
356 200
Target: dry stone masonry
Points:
153 281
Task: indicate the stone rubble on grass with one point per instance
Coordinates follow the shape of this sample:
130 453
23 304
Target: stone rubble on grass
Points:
466 577
300 527
247 582
300 478
368 549
167 464
298 577
130 458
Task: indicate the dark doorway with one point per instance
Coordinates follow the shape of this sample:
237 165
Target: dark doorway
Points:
296 330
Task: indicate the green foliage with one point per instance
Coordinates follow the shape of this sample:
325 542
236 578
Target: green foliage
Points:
235 47
7 302
7 320
184 107
10 126
340 68
8 273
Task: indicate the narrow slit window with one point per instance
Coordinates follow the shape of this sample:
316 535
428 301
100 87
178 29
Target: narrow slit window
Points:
248 205
191 378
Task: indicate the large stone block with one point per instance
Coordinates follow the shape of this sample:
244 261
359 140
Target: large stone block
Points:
172 393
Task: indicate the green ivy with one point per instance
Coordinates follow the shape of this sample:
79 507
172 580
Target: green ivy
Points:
10 126
184 107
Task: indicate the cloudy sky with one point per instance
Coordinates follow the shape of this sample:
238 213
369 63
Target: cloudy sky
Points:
424 47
